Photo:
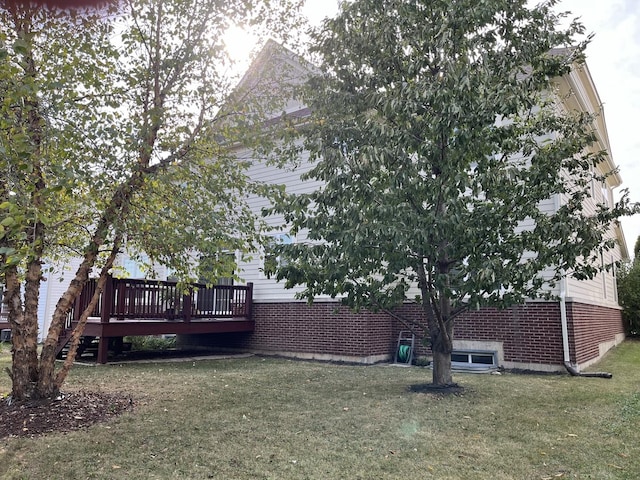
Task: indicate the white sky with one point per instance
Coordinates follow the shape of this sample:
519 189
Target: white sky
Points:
613 58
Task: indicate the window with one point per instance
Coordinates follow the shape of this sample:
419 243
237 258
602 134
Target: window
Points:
604 276
605 195
614 273
221 266
271 258
473 360
138 266
211 299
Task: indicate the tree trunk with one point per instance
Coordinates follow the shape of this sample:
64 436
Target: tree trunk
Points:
437 309
24 340
47 386
442 369
24 318
441 336
441 333
82 322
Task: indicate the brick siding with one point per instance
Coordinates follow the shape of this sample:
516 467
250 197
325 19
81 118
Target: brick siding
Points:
530 333
589 326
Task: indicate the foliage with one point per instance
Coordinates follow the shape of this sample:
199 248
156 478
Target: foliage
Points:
111 134
150 342
438 137
629 295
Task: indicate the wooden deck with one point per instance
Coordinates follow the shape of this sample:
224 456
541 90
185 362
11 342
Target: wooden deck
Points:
129 307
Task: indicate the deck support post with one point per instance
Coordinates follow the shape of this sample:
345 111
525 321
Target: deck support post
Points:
186 306
248 301
106 301
103 350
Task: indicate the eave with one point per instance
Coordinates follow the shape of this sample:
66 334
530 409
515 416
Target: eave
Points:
578 93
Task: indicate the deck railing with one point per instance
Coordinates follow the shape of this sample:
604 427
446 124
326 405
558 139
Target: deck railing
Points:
125 298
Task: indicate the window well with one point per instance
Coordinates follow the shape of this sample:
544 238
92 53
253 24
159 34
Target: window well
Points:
474 360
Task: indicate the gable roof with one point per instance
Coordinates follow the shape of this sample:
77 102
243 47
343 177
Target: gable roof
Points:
275 70
275 54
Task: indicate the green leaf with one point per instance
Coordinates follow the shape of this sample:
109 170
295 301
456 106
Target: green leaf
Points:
7 222
7 251
21 46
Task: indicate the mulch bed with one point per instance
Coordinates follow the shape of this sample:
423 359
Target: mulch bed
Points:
437 390
72 411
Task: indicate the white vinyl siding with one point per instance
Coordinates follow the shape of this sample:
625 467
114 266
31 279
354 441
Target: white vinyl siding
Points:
56 284
600 290
268 289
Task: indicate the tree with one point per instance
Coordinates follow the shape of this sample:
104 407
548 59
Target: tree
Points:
437 135
629 292
112 135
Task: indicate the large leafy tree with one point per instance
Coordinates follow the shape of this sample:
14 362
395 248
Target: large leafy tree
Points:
629 291
112 134
437 135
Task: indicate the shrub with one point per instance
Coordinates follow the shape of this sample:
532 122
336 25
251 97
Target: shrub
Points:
629 296
151 342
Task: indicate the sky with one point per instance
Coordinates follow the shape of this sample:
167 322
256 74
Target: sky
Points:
613 59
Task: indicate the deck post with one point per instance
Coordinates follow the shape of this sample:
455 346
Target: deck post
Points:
186 306
103 349
248 301
106 301
77 305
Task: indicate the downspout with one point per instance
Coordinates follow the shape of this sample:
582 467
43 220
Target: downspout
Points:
571 368
563 319
563 304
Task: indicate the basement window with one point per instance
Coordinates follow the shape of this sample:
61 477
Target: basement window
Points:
473 360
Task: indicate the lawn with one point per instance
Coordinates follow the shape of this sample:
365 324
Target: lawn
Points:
268 418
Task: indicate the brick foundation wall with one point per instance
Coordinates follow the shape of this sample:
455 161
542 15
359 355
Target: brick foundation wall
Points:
323 328
589 326
529 334
326 328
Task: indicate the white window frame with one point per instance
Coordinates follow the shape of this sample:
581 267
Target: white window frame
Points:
605 195
604 276
470 365
614 274
279 238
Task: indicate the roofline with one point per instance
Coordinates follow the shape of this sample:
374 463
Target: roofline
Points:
579 92
622 241
266 53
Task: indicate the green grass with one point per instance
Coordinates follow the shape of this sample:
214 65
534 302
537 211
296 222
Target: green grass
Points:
256 418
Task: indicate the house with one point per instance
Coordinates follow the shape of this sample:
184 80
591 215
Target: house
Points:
539 335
